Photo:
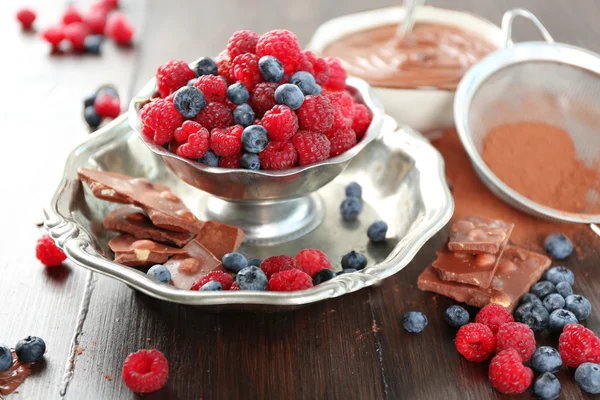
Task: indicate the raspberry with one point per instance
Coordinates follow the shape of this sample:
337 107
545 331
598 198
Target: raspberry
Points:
245 70
341 140
578 345
475 342
53 35
48 253
282 45
234 286
232 162
361 120
319 66
110 4
289 281
107 106
160 119
508 374
304 64
493 316
101 5
281 122
213 87
226 142
196 138
316 114
312 147
218 276
278 155
514 335
263 97
76 33
71 16
120 30
173 75
337 75
225 66
215 115
242 42
344 108
96 21
275 264
312 261
26 16
145 371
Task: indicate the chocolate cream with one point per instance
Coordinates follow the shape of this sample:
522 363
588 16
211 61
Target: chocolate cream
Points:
12 378
432 55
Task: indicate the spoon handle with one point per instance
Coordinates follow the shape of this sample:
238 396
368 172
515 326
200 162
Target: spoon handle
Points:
406 25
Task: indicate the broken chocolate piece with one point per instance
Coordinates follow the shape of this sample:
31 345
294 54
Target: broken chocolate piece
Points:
220 238
134 221
479 235
135 252
188 268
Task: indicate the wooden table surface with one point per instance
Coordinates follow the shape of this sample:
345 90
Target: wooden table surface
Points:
351 347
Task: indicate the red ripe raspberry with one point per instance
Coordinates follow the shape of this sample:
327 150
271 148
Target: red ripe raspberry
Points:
71 15
173 75
508 374
111 4
289 281
225 66
107 106
26 16
361 120
278 155
275 264
578 345
120 30
242 42
232 162
215 115
312 261
282 45
76 33
197 140
319 66
161 119
341 140
475 342
344 107
281 122
245 70
515 335
263 97
337 75
316 114
304 64
226 142
213 87
493 316
53 35
234 286
48 253
219 276
96 21
312 147
145 371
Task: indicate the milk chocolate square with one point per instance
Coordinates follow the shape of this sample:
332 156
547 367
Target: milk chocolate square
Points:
135 252
188 268
220 238
479 235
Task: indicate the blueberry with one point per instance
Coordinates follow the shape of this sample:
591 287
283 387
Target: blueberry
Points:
414 321
533 315
323 276
254 261
350 208
191 82
289 95
559 274
234 262
553 301
558 246
354 260
211 286
377 231
210 159
108 89
560 318
353 189
243 115
251 278
270 68
346 271
255 138
587 377
564 289
250 161
306 83
160 273
189 101
456 316
578 305
546 359
206 66
547 387
91 117
237 93
93 43
89 100
530 298
30 349
6 358
542 289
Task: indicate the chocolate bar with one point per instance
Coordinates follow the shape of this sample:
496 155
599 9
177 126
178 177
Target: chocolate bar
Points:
135 252
219 238
479 235
188 268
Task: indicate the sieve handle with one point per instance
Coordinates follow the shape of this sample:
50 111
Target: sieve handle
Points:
509 17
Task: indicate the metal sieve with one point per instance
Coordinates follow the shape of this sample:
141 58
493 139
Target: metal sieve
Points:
532 81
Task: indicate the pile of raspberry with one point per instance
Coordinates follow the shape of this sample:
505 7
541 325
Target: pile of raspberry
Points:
263 103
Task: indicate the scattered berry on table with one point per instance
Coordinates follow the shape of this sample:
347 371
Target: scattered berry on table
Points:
354 260
587 377
107 106
577 345
213 87
222 277
341 140
306 83
231 162
263 97
75 34
255 138
493 316
120 30
92 117
95 19
216 114
377 231
245 70
579 306
234 262
361 120
507 373
456 316
337 75
256 262
312 261
289 280
564 289
92 44
518 336
283 45
53 35
270 68
353 189
547 387
237 93
108 89
30 349
558 246
533 315
242 42
542 289
320 68
189 101
210 159
414 321
281 122
6 358
553 301
475 342
243 115
560 274
312 147
211 286
48 253
206 66
250 161
278 155
350 208
145 371
172 75
323 276
160 273
347 271
316 114
275 264
251 278
289 95
26 16
546 359
226 142
558 319
71 15
530 298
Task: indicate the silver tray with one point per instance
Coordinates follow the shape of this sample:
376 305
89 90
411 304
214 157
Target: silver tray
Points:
403 182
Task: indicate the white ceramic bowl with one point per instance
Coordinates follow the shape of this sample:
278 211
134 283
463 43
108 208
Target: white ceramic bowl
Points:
427 110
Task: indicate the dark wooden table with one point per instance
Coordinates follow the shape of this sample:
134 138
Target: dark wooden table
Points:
352 347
